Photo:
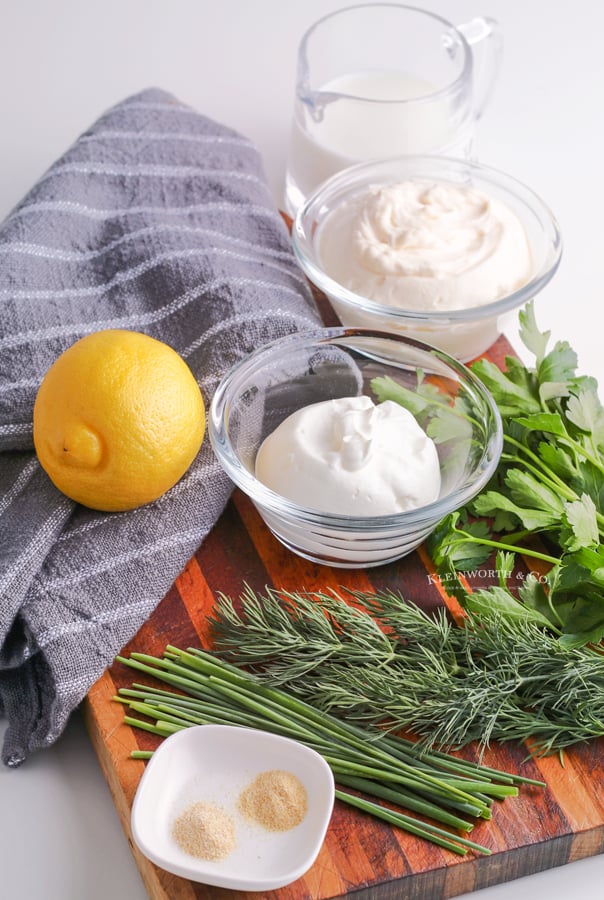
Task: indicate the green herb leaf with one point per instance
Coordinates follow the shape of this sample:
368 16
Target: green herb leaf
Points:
504 564
533 339
583 571
503 675
489 503
580 515
553 390
456 544
442 422
559 366
517 372
534 595
589 629
550 481
416 401
512 399
501 601
526 489
503 520
551 423
585 411
588 480
450 426
558 459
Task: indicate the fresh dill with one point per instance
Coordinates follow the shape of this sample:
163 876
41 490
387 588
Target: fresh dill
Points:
387 663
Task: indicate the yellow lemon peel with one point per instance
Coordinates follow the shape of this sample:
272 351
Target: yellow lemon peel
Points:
118 420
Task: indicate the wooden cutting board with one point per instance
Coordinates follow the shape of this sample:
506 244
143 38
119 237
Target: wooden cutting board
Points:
539 829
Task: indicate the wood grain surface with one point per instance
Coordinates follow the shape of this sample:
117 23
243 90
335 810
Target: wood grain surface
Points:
539 829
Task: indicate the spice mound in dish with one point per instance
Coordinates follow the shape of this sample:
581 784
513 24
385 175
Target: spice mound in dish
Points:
275 799
351 457
425 246
205 831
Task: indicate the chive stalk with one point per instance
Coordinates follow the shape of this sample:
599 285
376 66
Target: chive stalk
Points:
205 689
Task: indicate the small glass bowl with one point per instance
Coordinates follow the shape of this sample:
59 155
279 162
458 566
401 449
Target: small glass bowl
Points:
463 333
292 372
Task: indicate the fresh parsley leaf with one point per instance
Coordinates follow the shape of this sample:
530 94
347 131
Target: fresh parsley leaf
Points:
585 411
421 401
528 491
551 423
559 460
449 426
581 522
500 600
533 339
553 390
512 399
582 570
559 365
518 373
503 521
589 636
504 565
491 502
455 544
550 481
589 480
533 594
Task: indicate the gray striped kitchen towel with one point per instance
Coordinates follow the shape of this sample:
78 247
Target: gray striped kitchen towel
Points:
157 220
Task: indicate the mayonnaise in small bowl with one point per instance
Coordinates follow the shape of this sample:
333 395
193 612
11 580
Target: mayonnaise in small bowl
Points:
443 250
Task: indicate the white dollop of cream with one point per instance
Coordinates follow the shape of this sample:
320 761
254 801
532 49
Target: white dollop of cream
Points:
351 457
426 246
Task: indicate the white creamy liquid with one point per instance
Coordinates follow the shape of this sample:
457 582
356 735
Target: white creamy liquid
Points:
351 457
353 129
425 246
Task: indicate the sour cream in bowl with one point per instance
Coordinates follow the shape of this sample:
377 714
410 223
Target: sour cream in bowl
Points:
353 444
443 250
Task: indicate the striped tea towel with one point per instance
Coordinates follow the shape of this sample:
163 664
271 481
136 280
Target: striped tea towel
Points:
156 220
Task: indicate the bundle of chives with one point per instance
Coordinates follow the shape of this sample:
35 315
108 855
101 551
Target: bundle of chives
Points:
436 785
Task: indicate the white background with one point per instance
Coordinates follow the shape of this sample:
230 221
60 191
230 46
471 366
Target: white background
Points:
62 63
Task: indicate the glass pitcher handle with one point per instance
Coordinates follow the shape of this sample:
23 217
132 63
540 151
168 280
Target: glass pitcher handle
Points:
484 36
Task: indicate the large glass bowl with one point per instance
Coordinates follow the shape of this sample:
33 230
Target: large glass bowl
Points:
292 372
463 333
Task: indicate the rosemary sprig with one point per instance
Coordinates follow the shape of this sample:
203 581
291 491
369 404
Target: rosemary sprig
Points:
391 664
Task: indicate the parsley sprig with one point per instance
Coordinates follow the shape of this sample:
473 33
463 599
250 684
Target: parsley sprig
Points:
546 498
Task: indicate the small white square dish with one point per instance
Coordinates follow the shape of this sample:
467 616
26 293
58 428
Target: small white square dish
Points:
214 765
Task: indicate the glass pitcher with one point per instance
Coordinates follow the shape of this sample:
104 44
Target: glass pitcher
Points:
382 80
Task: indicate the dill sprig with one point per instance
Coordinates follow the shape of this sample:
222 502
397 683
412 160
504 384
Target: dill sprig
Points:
385 662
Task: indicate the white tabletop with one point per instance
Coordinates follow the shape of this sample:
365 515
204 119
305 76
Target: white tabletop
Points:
65 62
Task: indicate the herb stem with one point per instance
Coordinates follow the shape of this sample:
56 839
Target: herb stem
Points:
502 545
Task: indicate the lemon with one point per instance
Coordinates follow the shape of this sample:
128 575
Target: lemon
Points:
118 419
